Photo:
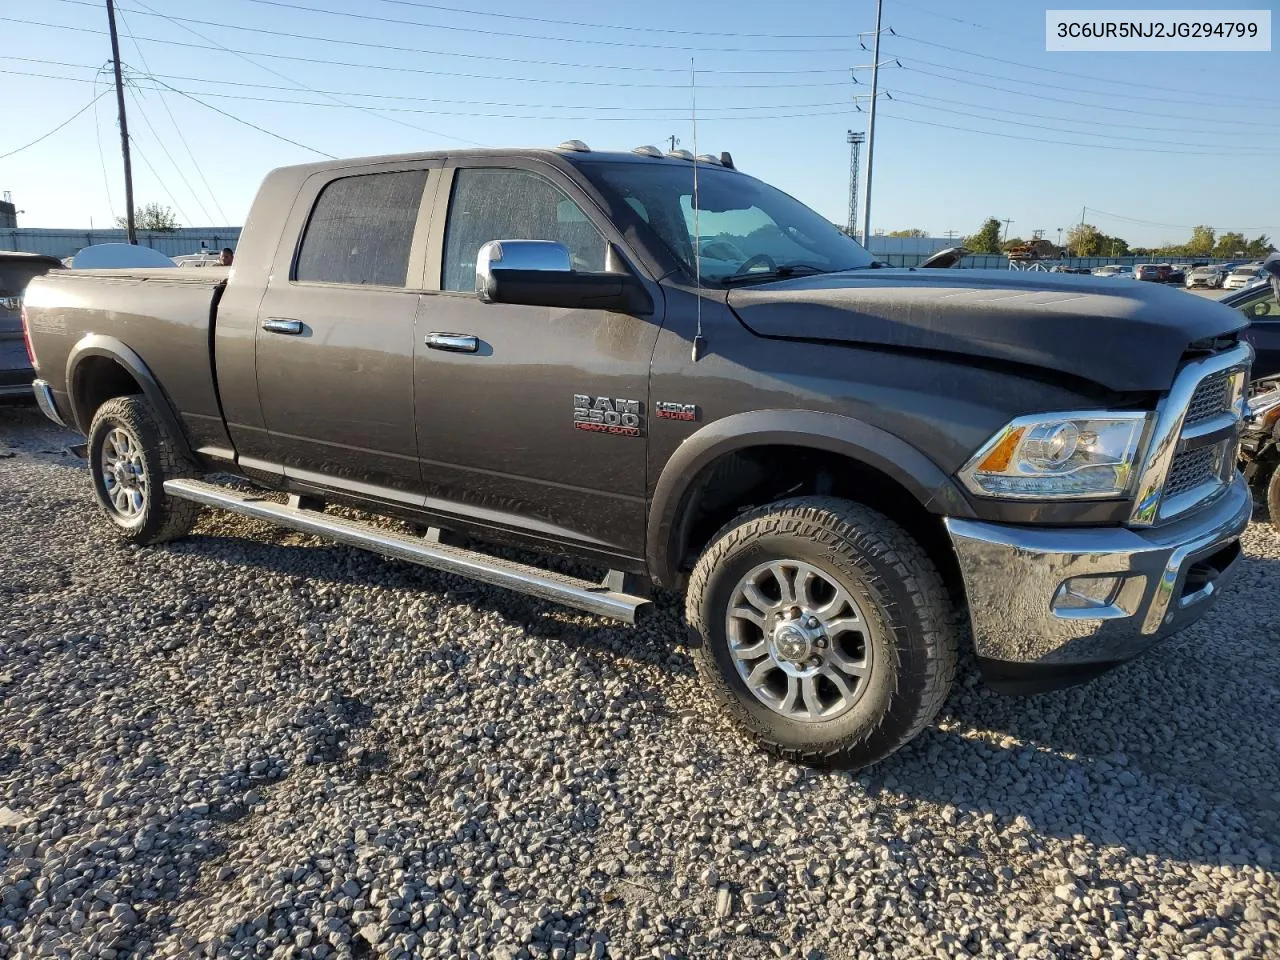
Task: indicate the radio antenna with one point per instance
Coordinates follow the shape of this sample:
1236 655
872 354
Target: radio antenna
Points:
699 342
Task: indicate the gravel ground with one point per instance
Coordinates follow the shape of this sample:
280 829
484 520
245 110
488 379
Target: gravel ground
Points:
252 743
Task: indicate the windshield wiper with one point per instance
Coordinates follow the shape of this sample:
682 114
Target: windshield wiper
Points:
779 273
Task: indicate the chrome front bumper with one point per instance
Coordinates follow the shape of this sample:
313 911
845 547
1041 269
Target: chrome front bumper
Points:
1057 598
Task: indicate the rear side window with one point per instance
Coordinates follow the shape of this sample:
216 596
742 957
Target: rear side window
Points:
361 229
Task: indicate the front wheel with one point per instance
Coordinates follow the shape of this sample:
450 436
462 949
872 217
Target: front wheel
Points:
826 630
1273 497
130 458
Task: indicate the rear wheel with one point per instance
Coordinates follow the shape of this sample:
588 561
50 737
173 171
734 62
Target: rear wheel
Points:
826 630
130 458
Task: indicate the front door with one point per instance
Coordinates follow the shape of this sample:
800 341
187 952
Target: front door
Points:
335 339
509 433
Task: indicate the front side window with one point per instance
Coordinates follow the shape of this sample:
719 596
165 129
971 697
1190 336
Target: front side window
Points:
743 227
361 230
491 203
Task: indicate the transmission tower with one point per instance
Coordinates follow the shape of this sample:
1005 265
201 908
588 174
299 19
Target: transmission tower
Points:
855 141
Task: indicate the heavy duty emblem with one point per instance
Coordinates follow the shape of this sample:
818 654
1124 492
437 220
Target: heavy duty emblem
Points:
666 410
605 415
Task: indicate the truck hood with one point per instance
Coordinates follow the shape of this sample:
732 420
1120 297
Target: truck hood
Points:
1126 335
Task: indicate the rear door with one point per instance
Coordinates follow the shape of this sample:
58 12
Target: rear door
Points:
507 432
335 333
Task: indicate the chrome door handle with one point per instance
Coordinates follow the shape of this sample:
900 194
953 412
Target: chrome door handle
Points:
280 325
455 342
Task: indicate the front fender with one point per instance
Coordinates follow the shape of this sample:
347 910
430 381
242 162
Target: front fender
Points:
97 345
833 433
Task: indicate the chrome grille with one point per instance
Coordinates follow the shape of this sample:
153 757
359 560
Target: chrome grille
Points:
1191 469
1212 397
1191 449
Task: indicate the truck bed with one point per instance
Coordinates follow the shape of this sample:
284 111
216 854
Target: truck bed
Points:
164 317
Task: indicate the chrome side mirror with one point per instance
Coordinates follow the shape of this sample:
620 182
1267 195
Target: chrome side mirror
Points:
502 256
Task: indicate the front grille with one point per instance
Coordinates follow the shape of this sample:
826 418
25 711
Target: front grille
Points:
1212 397
1191 469
1191 453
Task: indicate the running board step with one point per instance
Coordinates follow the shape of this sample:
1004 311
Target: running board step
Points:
597 598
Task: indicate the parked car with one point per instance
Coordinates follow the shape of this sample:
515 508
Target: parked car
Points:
1112 270
1260 440
1242 276
1259 306
1207 276
1146 271
1176 275
822 454
16 271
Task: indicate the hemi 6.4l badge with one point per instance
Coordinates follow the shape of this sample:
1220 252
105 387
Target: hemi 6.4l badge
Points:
675 411
606 415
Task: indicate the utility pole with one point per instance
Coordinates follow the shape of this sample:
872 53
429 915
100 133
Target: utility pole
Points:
871 124
950 234
855 141
1006 230
674 140
124 125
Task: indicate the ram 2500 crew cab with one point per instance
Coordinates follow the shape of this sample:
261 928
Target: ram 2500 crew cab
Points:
839 464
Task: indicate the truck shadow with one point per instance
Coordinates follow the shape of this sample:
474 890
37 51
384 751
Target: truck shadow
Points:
1136 759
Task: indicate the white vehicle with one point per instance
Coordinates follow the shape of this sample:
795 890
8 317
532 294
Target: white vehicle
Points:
1111 270
1242 277
197 260
1210 276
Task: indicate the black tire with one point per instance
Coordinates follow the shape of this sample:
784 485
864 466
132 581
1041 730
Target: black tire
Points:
151 516
1273 497
910 627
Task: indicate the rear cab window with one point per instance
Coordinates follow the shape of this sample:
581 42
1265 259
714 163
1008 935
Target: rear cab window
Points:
361 230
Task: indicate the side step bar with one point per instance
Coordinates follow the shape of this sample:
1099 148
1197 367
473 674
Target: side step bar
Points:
597 598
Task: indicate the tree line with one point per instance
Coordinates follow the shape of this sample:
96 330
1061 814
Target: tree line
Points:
1086 240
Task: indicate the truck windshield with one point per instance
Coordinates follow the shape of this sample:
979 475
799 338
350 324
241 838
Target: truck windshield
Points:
745 228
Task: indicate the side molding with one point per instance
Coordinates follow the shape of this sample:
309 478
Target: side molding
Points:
96 345
829 432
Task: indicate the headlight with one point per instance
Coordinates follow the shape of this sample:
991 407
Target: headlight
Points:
1058 456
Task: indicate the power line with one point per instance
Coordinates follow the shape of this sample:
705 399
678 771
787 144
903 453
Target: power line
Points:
1076 133
155 173
269 133
97 133
791 112
1066 143
177 128
1166 90
302 86
1091 121
46 136
605 26
911 61
147 120
473 31
967 23
327 62
1170 226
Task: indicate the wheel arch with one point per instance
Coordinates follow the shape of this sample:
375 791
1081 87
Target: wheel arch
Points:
100 368
904 474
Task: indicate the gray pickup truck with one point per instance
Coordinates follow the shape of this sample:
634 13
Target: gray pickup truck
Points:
840 465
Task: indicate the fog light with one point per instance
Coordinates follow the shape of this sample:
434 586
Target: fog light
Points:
1086 593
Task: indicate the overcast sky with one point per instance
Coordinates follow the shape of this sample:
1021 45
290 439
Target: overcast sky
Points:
983 121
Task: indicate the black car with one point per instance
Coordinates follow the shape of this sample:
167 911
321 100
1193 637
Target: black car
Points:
16 271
